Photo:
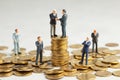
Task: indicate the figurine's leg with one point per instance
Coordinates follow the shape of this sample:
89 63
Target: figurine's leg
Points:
37 58
41 56
87 58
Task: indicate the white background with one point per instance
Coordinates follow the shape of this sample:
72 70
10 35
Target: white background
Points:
31 17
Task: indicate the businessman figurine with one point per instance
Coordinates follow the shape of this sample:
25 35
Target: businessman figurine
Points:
39 45
53 17
15 37
85 50
63 21
95 36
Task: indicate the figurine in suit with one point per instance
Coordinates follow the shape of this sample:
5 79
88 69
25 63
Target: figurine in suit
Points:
39 45
53 17
15 37
95 36
63 21
85 50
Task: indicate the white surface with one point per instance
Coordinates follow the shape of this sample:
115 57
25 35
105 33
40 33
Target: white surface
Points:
31 17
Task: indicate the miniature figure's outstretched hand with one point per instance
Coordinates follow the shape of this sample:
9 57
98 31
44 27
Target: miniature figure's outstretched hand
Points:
57 19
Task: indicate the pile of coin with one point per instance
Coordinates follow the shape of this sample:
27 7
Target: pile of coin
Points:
23 70
6 69
60 55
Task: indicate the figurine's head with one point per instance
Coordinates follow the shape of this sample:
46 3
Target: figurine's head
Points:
39 38
54 11
87 39
63 11
16 30
94 31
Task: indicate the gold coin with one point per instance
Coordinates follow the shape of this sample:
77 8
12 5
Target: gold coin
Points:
54 71
19 62
86 76
6 74
112 59
2 55
47 48
24 68
1 61
6 65
5 69
76 46
101 64
116 73
103 73
70 74
3 47
37 70
22 49
26 58
33 52
82 67
117 66
110 52
7 60
55 76
101 49
45 66
112 44
22 73
84 71
96 68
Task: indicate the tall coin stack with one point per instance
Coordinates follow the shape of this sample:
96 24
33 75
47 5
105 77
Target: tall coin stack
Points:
60 55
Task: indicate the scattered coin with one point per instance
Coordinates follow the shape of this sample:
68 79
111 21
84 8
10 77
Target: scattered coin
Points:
103 73
101 64
75 46
86 76
111 44
116 73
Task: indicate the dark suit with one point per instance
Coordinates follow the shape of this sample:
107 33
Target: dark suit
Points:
39 51
85 50
95 41
53 24
63 21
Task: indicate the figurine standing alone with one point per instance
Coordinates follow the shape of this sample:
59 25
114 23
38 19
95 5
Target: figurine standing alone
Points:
95 36
39 45
15 37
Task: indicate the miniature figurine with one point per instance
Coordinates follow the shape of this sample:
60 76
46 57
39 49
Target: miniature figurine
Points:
85 50
39 45
53 17
15 37
95 36
63 21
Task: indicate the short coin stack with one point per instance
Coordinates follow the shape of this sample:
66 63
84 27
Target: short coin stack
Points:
60 55
6 69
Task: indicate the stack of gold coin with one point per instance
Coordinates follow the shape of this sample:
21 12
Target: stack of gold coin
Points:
60 55
23 70
54 74
59 43
6 69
